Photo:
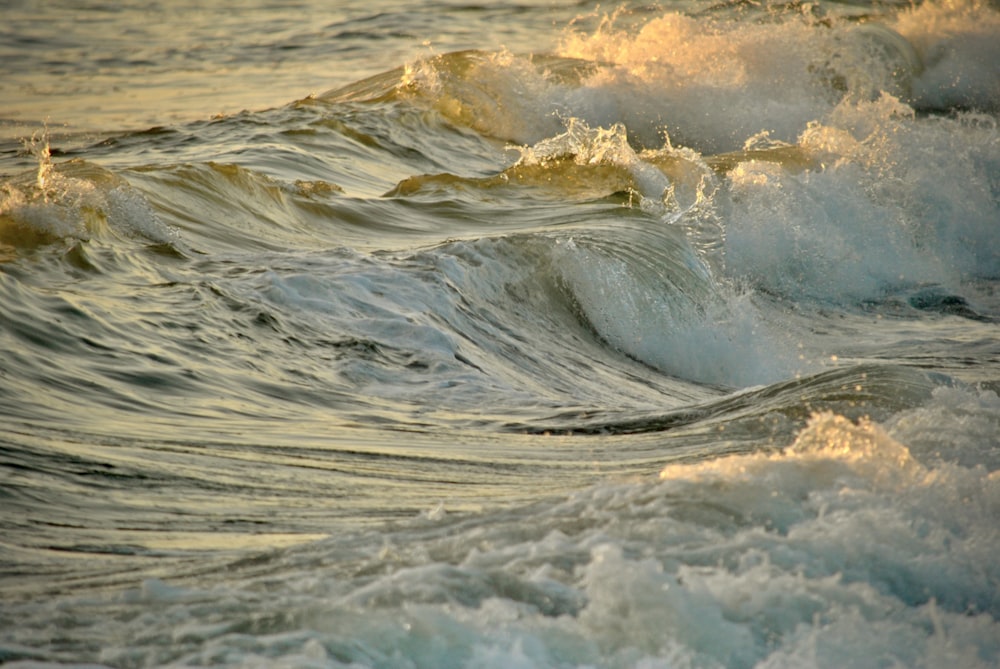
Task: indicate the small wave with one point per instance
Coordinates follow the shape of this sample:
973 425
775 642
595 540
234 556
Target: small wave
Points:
763 559
73 200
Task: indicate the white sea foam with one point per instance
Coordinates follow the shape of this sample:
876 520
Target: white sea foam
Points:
75 201
898 202
671 314
959 426
845 549
713 83
958 46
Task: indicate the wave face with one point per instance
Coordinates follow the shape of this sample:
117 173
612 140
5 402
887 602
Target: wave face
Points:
664 339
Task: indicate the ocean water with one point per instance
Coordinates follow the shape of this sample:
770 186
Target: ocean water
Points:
513 335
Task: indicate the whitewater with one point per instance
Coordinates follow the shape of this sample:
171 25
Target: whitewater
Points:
506 335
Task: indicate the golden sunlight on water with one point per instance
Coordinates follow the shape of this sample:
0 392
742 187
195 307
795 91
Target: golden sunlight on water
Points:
112 103
213 541
82 69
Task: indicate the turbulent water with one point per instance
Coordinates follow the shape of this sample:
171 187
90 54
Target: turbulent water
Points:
548 336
